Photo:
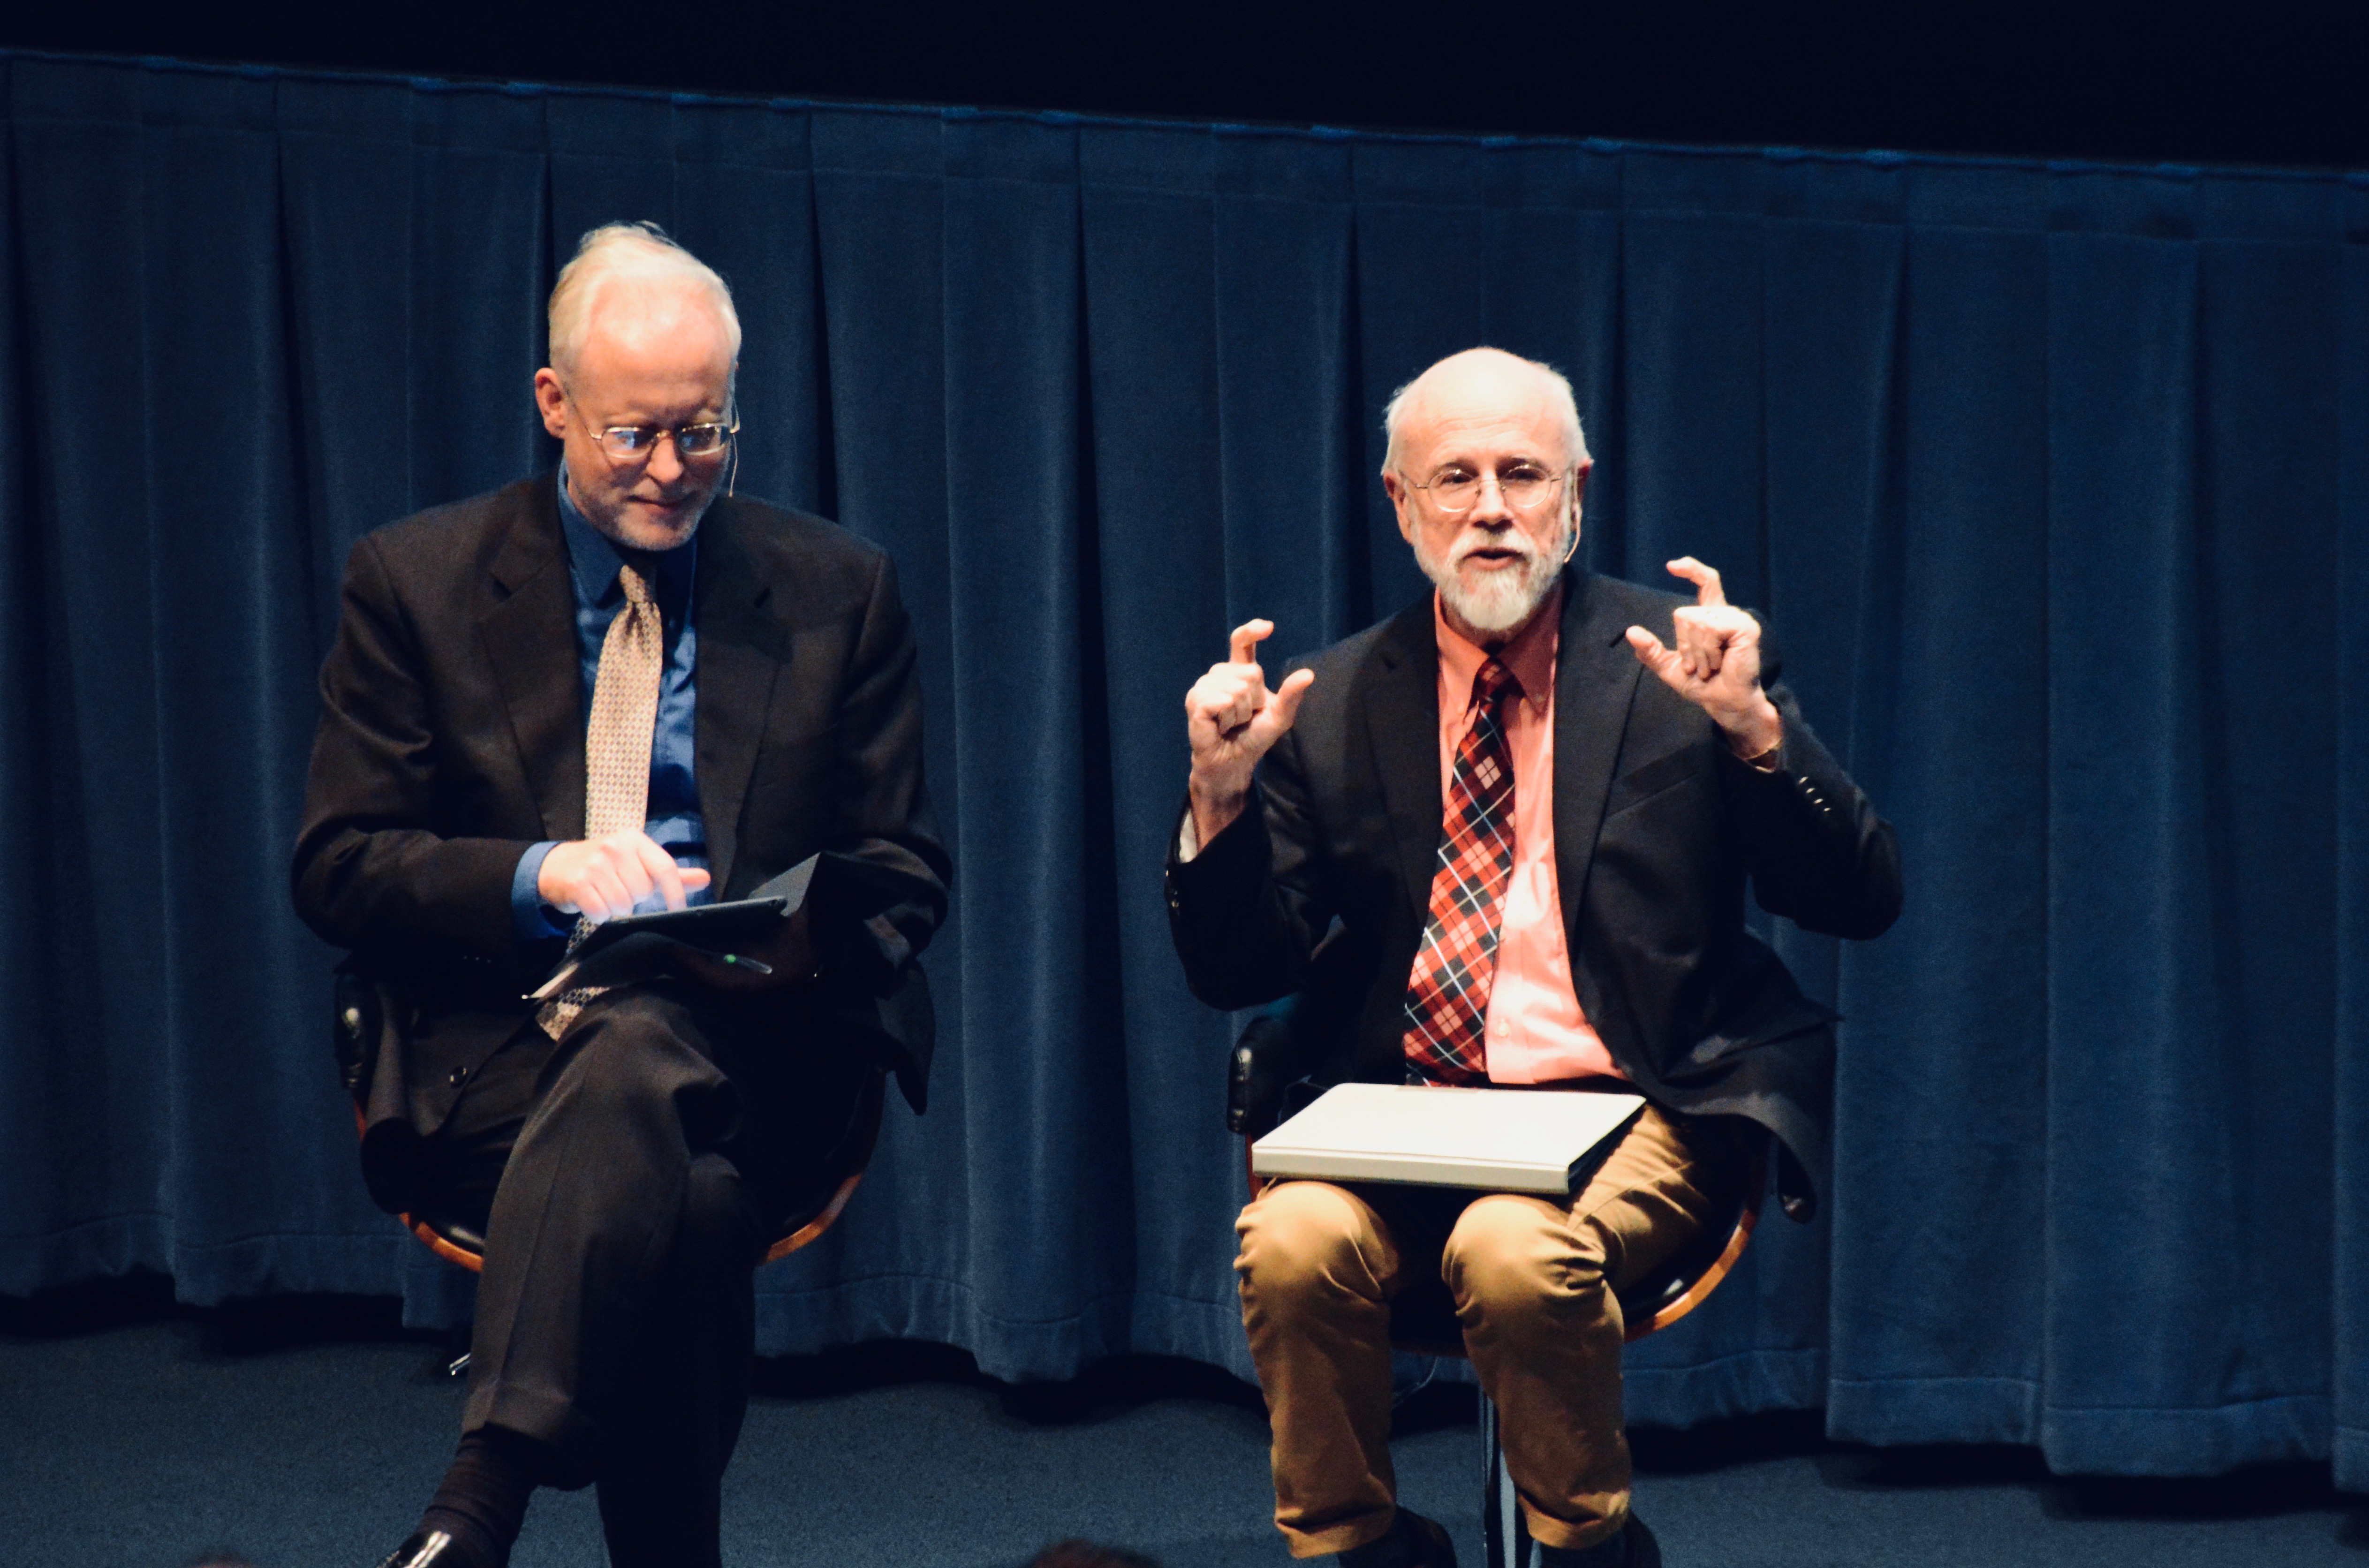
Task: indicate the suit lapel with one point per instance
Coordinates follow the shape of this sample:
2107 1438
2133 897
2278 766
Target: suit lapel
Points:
530 640
737 676
1596 681
1399 697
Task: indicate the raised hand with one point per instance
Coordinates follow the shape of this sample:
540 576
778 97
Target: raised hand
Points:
1716 665
603 878
1231 719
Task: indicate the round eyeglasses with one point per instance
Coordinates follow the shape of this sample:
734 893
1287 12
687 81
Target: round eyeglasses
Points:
1456 489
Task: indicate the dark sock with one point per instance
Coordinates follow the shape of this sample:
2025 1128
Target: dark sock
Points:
483 1498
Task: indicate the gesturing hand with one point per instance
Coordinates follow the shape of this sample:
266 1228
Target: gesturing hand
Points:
1716 665
1231 719
603 878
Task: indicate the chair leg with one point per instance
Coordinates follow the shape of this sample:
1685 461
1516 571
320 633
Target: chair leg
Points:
1504 1531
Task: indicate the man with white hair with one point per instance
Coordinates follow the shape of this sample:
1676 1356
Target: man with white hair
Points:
1503 840
609 689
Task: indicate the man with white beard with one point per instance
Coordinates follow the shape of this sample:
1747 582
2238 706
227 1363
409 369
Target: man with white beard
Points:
1503 840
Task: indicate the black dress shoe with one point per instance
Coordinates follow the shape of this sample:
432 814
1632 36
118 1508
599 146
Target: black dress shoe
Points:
1635 1547
1412 1542
428 1549
1434 1548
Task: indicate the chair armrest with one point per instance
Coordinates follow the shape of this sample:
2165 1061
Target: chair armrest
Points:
1267 1060
1796 1193
355 1017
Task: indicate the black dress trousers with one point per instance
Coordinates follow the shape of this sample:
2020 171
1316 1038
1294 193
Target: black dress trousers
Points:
629 1177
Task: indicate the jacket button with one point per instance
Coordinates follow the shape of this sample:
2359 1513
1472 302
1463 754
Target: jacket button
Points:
459 1076
1173 900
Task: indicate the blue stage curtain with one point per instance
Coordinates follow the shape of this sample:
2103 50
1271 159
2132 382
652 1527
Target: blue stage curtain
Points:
2054 481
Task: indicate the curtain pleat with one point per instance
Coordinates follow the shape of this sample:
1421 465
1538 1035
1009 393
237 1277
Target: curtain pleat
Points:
2350 1188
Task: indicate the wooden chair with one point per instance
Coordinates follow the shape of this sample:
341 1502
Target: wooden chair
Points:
357 1000
460 1243
1264 1088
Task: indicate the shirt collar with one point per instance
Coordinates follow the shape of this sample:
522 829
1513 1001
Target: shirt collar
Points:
593 559
1531 654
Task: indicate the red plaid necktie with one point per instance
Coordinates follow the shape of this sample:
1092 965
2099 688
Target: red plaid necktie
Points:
1447 992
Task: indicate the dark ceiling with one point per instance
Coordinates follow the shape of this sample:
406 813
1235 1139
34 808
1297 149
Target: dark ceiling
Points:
2175 82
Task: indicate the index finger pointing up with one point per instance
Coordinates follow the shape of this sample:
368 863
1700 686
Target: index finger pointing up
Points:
1705 578
1246 638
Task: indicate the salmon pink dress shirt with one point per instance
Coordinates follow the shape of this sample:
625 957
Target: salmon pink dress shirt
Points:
1536 1031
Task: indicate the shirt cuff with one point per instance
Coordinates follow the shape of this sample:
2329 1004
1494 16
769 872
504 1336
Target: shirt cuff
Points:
1188 842
530 916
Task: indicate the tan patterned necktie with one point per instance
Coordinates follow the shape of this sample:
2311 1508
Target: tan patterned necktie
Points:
616 750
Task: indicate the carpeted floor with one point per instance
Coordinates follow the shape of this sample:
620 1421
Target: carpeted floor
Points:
306 1433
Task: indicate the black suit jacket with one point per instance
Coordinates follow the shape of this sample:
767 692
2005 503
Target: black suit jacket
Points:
452 738
1322 890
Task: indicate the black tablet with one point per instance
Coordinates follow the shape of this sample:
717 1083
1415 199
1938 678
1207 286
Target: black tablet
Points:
718 928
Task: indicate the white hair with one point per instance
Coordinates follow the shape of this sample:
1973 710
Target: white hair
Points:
626 250
1574 439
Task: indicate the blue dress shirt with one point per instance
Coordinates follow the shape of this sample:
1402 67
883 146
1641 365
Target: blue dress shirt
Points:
673 809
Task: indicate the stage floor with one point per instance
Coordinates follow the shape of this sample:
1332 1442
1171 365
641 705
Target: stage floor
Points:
307 1435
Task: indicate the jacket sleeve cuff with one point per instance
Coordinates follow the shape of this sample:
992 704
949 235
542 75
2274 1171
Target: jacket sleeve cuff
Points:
530 918
1229 865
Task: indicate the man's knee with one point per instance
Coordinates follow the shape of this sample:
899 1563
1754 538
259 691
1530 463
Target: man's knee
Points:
1508 1250
629 1057
1301 1240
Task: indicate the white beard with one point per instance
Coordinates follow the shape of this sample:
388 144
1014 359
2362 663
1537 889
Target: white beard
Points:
1503 599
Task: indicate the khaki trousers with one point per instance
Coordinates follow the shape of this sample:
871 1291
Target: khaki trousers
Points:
1532 1279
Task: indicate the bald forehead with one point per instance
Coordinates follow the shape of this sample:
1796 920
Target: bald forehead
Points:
632 308
1484 392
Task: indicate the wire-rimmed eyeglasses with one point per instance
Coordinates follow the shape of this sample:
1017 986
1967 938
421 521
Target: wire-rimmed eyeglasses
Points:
1456 489
634 443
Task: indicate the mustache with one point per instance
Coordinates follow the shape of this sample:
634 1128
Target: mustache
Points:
1511 542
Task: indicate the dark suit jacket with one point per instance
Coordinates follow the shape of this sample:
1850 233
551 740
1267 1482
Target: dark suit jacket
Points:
452 738
1323 889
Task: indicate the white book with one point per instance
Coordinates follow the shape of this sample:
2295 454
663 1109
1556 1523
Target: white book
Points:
1523 1141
